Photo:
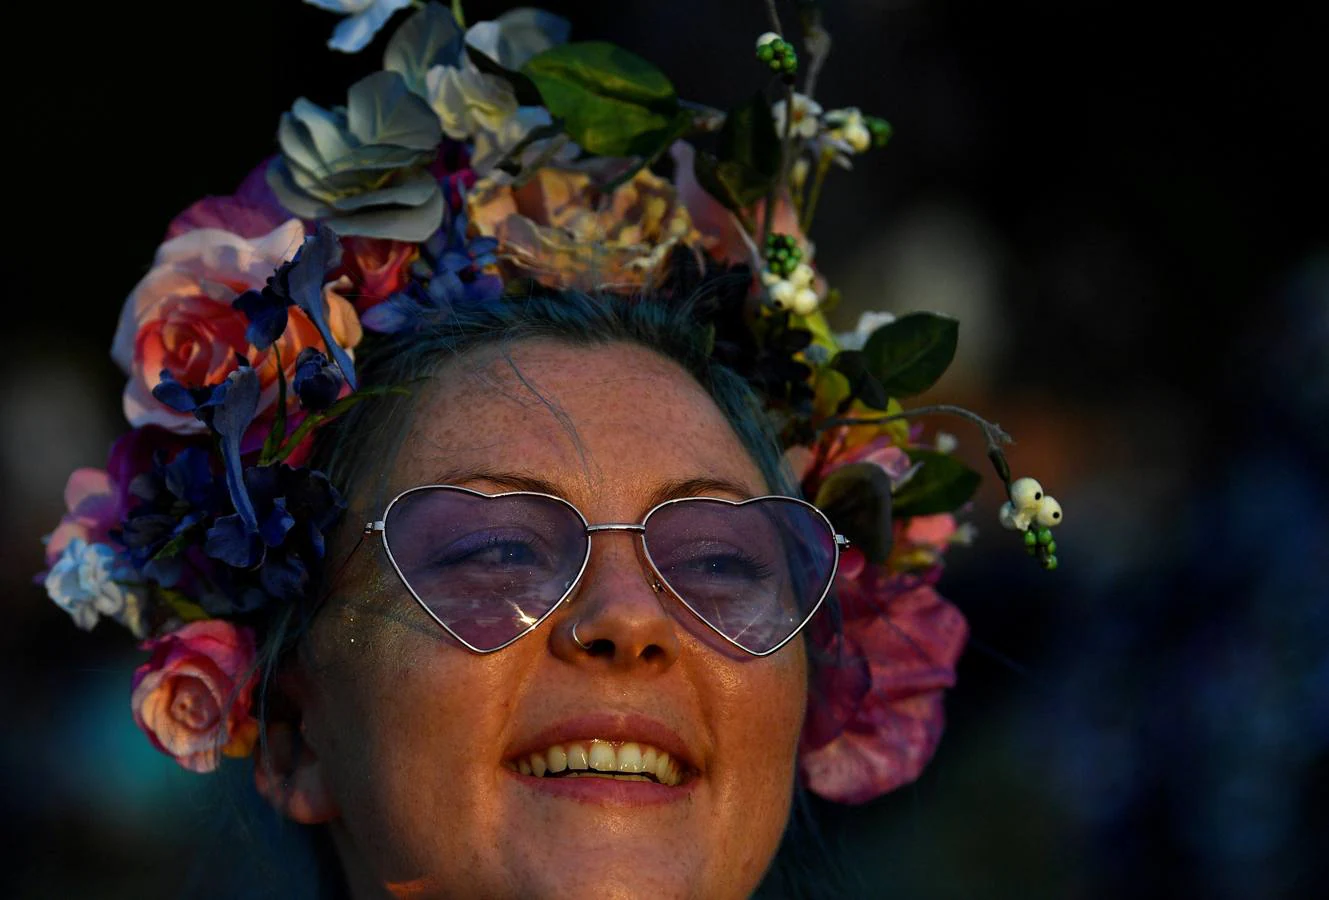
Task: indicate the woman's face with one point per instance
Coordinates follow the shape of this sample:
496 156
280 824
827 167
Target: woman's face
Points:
414 738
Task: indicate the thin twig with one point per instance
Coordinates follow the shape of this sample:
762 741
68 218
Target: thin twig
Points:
810 207
817 41
995 434
774 16
786 161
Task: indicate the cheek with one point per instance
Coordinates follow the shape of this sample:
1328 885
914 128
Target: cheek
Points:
758 706
405 731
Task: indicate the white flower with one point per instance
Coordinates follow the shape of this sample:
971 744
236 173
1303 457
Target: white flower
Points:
89 581
806 116
365 18
868 322
468 101
847 125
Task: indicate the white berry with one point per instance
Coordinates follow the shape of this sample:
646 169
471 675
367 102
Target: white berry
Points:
766 38
1006 516
1025 493
805 301
1049 512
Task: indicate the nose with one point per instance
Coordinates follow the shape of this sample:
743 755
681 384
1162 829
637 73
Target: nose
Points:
616 611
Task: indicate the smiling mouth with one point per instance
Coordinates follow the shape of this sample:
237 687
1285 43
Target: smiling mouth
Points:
623 761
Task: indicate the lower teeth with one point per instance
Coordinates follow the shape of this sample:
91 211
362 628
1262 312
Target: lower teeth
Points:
620 777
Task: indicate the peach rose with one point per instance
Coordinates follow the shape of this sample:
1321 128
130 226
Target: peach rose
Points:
179 318
555 228
189 698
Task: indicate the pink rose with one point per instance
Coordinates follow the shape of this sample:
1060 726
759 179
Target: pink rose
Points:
179 318
876 714
192 698
251 212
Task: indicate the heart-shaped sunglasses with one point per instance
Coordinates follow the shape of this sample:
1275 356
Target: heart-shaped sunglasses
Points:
490 568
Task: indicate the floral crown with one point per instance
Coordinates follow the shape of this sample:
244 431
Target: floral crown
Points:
480 165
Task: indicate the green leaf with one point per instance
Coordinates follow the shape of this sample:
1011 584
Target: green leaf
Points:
863 385
427 39
942 484
908 355
748 159
614 102
274 438
857 500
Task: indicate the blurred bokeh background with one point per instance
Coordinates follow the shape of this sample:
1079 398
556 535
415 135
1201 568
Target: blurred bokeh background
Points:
1125 203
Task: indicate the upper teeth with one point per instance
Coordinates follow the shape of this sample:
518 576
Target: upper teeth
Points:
626 759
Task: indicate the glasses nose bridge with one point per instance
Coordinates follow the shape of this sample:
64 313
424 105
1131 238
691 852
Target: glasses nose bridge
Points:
634 528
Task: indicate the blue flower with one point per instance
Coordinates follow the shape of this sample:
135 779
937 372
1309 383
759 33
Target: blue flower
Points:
89 581
448 272
296 508
317 381
364 19
298 282
173 501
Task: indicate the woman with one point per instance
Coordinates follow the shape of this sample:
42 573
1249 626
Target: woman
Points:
408 746
508 588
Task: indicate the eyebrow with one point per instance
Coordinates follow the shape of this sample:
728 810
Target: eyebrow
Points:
670 490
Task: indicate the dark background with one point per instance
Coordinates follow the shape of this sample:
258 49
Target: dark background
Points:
1125 204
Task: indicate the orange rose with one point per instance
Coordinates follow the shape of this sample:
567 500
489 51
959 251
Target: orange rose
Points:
193 697
179 318
555 228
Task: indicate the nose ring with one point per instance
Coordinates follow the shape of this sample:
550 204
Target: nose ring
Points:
576 640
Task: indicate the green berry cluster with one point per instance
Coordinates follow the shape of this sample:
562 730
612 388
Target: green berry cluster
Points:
782 254
880 130
779 55
1038 542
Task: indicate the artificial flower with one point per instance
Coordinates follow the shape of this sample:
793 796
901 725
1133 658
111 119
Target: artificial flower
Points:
468 101
92 580
251 212
317 380
193 697
849 126
93 510
877 713
172 501
180 319
377 268
722 234
553 229
362 170
363 20
517 35
868 322
807 114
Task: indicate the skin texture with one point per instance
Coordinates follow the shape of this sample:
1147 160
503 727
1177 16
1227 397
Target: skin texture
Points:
405 732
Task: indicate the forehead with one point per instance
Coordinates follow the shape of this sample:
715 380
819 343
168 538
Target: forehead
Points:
605 425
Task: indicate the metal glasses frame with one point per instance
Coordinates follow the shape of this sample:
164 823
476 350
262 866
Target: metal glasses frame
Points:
839 542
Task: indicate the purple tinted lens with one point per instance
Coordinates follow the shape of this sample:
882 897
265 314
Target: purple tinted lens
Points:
753 571
489 568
